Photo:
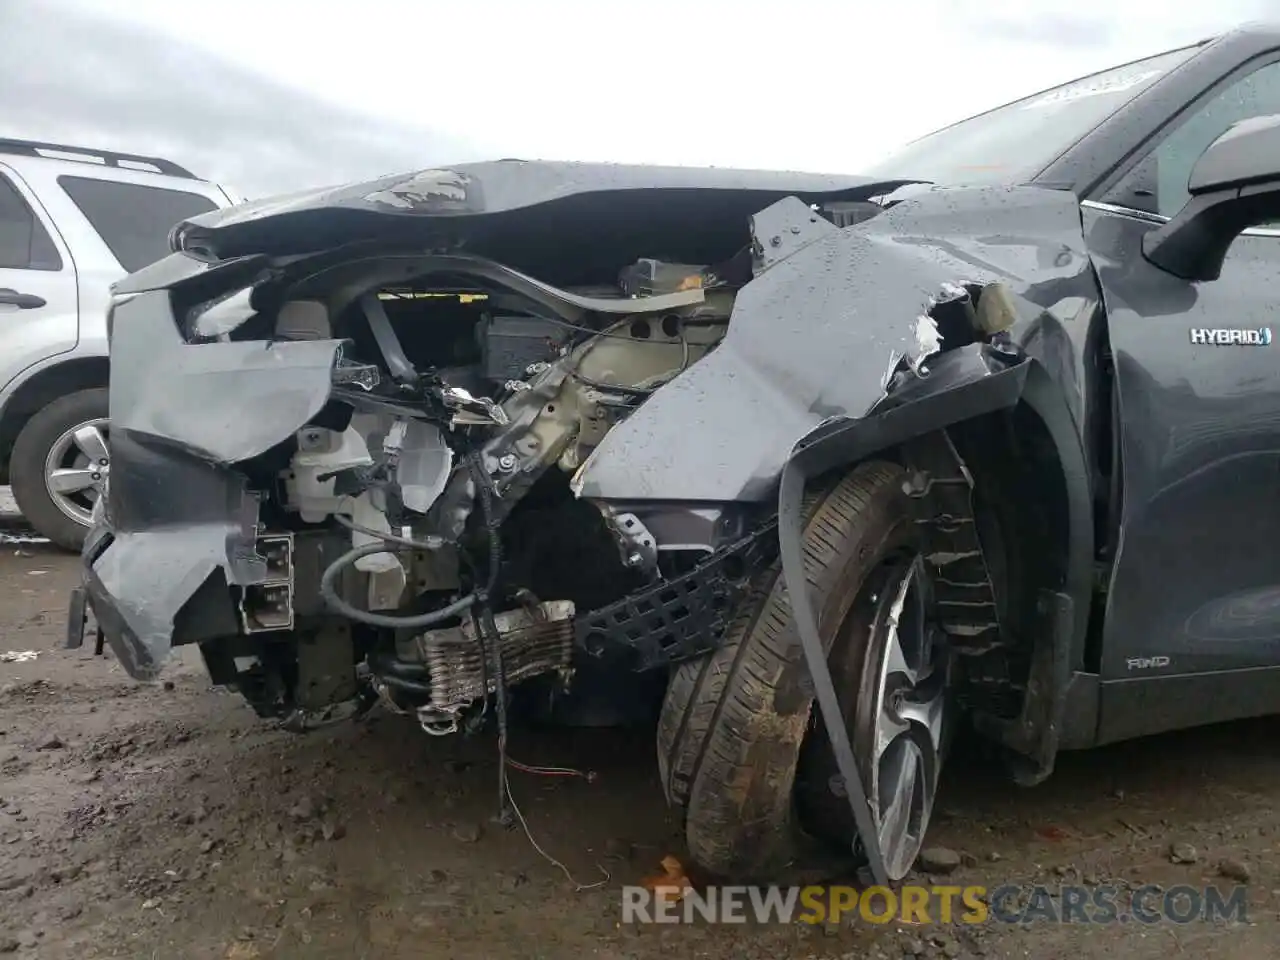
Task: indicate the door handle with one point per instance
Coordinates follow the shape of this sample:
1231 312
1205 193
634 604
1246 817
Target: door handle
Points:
23 301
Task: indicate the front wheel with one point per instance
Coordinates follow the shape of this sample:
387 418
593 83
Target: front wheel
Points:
59 466
741 748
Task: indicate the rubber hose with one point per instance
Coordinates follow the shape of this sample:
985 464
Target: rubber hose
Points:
414 621
389 664
408 686
432 543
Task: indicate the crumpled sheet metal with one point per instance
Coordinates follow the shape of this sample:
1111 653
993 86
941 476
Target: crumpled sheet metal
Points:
807 341
174 520
225 402
152 575
812 336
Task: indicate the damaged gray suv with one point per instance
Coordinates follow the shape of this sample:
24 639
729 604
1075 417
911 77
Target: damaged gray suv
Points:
828 462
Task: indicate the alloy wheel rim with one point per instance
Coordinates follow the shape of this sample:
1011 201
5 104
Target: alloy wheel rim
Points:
77 468
890 665
903 713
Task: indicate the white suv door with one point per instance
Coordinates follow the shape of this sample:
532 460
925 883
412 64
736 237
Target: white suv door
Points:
38 293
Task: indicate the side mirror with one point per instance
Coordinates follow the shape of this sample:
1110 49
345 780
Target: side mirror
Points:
1234 185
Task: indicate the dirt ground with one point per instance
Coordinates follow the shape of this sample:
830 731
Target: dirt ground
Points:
165 821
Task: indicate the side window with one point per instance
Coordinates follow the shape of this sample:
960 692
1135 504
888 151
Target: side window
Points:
1159 183
133 220
24 242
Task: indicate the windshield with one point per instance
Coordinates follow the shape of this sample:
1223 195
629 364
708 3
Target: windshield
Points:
1016 141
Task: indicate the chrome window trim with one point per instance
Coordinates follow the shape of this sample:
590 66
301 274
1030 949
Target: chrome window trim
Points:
1157 218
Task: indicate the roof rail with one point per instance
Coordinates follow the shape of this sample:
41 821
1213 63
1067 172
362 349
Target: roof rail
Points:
109 158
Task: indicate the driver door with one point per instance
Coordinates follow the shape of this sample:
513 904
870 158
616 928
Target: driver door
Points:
1192 630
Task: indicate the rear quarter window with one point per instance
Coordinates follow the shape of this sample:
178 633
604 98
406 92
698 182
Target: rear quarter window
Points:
133 220
24 242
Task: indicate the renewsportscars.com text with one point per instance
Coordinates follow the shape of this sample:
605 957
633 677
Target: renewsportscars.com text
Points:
1009 903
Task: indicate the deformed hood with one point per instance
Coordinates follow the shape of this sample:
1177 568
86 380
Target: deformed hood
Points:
490 203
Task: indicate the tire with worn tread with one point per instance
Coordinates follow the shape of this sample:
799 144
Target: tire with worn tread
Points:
732 723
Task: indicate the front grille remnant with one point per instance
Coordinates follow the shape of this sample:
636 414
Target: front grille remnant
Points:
535 640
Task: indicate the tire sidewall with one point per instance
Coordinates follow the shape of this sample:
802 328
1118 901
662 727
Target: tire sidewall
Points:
890 532
736 724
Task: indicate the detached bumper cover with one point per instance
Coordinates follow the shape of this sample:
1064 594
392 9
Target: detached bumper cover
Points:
182 414
172 522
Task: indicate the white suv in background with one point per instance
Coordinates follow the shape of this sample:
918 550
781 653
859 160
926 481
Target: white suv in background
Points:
72 222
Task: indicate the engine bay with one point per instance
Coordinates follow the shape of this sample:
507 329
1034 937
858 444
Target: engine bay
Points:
465 398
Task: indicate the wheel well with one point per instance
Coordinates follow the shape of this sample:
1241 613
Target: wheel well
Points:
1024 510
42 389
1021 504
1021 501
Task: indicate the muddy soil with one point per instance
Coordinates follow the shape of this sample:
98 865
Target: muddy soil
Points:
165 821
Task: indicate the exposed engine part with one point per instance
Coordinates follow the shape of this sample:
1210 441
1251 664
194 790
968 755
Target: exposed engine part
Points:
534 640
565 407
471 410
422 460
323 454
419 461
507 361
313 490
329 591
544 394
509 346
434 570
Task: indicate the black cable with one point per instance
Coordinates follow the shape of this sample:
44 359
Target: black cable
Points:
487 628
500 693
636 391
484 653
615 387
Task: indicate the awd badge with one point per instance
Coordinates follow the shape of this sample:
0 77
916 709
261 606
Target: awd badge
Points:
1231 337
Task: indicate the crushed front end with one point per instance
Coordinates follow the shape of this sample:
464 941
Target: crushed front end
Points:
366 444
346 476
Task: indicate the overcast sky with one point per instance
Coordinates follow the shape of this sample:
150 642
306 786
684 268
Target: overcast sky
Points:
275 95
